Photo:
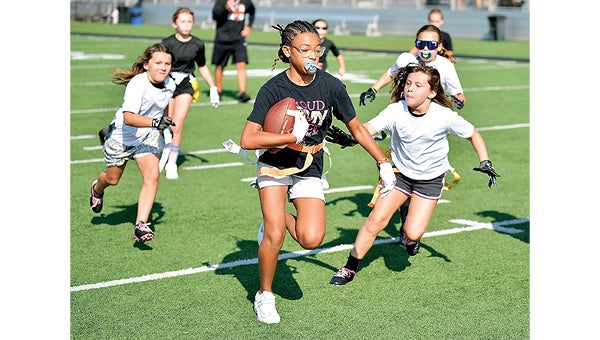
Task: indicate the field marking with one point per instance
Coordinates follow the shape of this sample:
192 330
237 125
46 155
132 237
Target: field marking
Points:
471 226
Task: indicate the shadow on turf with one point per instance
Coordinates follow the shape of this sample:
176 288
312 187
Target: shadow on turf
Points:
127 214
395 257
500 217
284 284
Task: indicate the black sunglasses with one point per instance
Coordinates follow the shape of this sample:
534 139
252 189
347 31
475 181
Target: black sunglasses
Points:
321 27
431 45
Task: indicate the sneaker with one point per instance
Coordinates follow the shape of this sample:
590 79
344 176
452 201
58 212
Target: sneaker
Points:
142 232
171 171
261 233
264 307
243 97
412 247
343 276
95 199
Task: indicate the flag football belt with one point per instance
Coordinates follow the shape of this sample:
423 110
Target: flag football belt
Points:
447 186
310 150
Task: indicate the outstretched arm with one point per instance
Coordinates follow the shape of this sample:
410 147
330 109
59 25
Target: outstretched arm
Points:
485 165
478 145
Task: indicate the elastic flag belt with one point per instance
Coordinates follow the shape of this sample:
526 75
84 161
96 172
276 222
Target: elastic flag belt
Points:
310 150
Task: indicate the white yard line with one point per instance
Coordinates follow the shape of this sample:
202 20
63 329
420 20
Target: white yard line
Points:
470 226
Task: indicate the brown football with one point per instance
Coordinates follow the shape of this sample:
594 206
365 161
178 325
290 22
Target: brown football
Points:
277 119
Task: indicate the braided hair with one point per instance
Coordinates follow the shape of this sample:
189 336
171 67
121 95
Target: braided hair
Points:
288 34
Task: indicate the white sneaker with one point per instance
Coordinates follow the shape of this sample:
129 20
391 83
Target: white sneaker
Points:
261 233
264 307
171 171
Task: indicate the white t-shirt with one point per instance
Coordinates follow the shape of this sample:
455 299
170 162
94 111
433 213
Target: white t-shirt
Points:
419 143
449 77
143 98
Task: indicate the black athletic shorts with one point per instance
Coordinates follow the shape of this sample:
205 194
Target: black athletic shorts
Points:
430 188
237 50
184 87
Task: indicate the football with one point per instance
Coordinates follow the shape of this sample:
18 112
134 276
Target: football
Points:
277 119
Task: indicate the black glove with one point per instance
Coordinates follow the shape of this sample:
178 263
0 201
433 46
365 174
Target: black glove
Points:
486 167
338 136
457 103
370 93
162 123
378 138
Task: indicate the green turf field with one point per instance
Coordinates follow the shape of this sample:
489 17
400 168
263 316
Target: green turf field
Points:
198 278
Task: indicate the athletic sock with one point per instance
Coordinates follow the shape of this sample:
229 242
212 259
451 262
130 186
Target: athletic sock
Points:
173 154
352 262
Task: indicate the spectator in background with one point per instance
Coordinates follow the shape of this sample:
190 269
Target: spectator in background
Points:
436 18
189 52
234 23
322 27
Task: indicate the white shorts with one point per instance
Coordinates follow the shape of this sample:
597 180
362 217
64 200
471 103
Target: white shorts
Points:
298 186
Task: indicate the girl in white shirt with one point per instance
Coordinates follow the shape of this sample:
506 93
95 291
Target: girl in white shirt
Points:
135 132
419 120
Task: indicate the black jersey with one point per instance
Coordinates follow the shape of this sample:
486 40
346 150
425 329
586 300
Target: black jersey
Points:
447 41
186 53
230 23
329 46
326 97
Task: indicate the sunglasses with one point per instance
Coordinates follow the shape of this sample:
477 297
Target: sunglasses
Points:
324 28
431 45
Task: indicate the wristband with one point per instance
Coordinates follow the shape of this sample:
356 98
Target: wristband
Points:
381 161
372 88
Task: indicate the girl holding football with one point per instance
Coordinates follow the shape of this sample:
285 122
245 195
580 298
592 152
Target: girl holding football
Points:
136 132
419 119
294 171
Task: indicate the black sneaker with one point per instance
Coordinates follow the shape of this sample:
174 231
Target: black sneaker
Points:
343 276
412 247
95 199
243 97
142 232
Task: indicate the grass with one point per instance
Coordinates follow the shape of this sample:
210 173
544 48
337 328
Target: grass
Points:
465 285
464 47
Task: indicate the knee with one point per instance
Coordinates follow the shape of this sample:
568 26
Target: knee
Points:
413 233
311 240
111 181
374 225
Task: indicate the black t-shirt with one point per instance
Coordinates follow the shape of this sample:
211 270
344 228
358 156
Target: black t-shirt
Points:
186 53
230 23
447 41
326 97
329 46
